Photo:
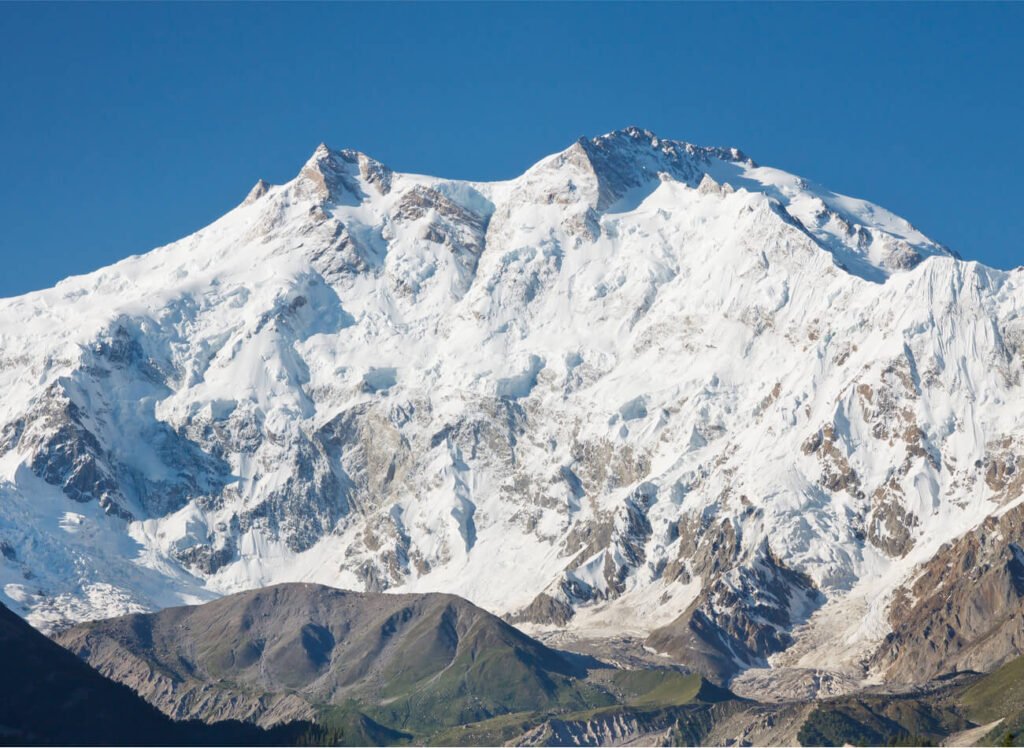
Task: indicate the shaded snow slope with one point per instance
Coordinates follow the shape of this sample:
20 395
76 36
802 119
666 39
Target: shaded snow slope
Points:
644 386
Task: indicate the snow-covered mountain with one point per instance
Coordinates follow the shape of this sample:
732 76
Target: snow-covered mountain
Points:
646 388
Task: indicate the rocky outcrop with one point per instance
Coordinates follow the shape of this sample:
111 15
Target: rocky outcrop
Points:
624 727
740 618
964 610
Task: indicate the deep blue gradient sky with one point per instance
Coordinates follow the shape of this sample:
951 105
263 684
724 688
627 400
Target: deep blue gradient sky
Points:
123 127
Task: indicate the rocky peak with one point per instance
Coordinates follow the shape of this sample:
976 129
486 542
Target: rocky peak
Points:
631 138
258 190
632 158
340 176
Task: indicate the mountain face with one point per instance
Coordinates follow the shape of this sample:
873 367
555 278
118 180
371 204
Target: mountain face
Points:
645 389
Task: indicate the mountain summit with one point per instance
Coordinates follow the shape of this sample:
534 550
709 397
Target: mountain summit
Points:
645 389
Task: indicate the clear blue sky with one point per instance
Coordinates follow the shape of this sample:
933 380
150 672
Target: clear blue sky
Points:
123 127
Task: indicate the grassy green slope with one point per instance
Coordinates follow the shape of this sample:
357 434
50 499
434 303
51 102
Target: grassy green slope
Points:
998 694
496 670
881 720
925 718
667 696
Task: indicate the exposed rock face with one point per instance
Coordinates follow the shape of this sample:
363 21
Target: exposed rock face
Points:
965 608
761 725
661 727
69 431
741 618
544 610
644 387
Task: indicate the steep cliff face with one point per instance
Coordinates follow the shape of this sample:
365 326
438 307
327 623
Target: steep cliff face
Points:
643 387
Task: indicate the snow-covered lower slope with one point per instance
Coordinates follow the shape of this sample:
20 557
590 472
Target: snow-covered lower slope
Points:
644 388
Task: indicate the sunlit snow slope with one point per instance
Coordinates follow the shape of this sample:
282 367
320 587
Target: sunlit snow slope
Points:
645 388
